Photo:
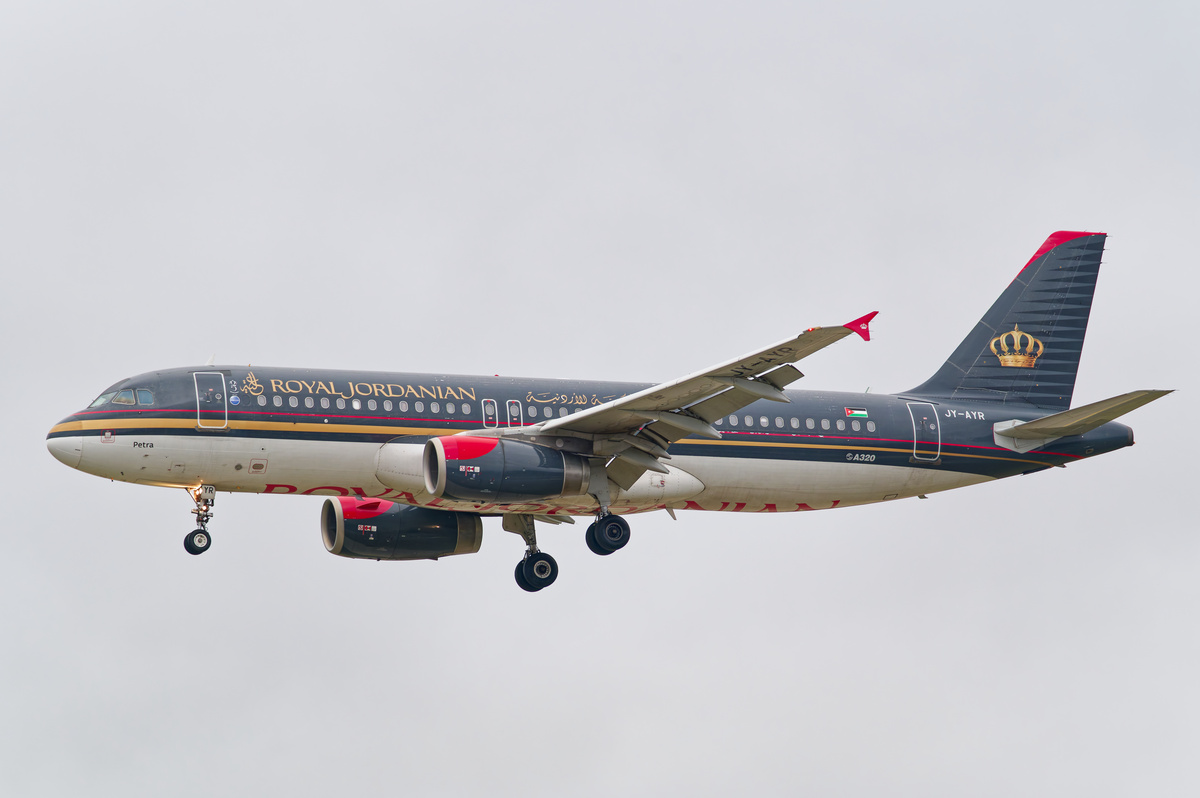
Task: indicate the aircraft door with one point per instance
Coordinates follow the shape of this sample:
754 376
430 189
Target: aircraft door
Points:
514 413
490 418
927 436
211 409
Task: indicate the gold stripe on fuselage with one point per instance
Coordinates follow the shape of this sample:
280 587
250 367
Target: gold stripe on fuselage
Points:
150 424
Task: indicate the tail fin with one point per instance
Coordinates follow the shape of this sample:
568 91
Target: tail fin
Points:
1026 347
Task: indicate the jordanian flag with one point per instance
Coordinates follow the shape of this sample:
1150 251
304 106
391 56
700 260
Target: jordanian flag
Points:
856 412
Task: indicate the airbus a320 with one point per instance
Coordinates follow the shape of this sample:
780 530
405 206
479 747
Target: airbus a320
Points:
412 463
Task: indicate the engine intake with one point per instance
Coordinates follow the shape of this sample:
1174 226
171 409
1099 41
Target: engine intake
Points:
469 468
377 529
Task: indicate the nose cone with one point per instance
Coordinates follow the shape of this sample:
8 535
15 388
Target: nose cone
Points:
67 449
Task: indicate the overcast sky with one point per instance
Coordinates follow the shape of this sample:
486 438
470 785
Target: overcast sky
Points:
627 191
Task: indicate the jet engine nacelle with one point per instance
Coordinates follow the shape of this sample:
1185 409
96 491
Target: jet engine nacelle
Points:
469 468
376 529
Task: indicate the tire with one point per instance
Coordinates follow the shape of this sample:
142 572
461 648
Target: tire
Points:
521 581
540 570
593 544
197 542
612 533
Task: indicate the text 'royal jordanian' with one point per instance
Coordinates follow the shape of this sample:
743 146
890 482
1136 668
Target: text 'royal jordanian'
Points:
413 462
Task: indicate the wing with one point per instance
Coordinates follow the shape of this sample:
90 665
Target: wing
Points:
637 429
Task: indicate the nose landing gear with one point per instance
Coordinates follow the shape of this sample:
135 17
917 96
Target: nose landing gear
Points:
199 541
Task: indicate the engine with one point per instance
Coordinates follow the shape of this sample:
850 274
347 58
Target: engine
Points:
376 529
468 468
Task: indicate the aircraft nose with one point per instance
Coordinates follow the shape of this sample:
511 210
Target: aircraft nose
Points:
67 449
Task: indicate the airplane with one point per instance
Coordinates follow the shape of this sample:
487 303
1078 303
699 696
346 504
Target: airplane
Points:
412 463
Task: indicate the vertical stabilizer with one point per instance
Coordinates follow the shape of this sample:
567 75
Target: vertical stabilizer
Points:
1026 348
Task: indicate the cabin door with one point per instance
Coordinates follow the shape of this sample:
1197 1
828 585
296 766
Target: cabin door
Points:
927 435
212 412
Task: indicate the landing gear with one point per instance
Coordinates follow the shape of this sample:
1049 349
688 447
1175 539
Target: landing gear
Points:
198 541
609 533
537 569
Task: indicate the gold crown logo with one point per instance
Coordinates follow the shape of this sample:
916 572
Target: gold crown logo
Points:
1017 348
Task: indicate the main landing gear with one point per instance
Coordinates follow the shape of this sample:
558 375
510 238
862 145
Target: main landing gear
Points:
607 534
198 541
537 569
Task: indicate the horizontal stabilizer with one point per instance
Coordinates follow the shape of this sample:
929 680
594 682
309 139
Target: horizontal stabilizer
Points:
1082 419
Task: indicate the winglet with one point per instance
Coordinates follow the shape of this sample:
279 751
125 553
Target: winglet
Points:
859 325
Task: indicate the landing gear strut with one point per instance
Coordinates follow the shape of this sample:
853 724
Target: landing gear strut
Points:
607 534
537 569
198 541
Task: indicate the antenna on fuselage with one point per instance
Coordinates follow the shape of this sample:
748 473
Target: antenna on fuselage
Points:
212 360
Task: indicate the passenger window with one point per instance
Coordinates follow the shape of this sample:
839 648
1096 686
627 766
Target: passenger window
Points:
145 397
124 397
488 409
341 403
419 407
371 404
466 408
718 422
356 404
308 401
403 406
749 421
277 400
870 426
733 421
324 402
387 405
808 422
824 423
547 412
562 412
795 423
532 411
779 422
450 408
841 424
763 421
262 401
293 401
856 425
434 407
102 399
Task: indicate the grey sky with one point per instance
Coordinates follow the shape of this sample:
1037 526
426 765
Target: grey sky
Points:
628 191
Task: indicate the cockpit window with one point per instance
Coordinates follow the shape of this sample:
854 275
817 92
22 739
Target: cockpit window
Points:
125 397
144 397
103 398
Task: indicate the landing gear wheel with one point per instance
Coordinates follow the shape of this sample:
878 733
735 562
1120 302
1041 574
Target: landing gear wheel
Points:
593 544
540 570
197 542
611 533
521 580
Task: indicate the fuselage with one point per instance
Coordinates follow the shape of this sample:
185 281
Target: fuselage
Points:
320 432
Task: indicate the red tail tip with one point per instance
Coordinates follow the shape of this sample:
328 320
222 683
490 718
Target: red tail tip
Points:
861 325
